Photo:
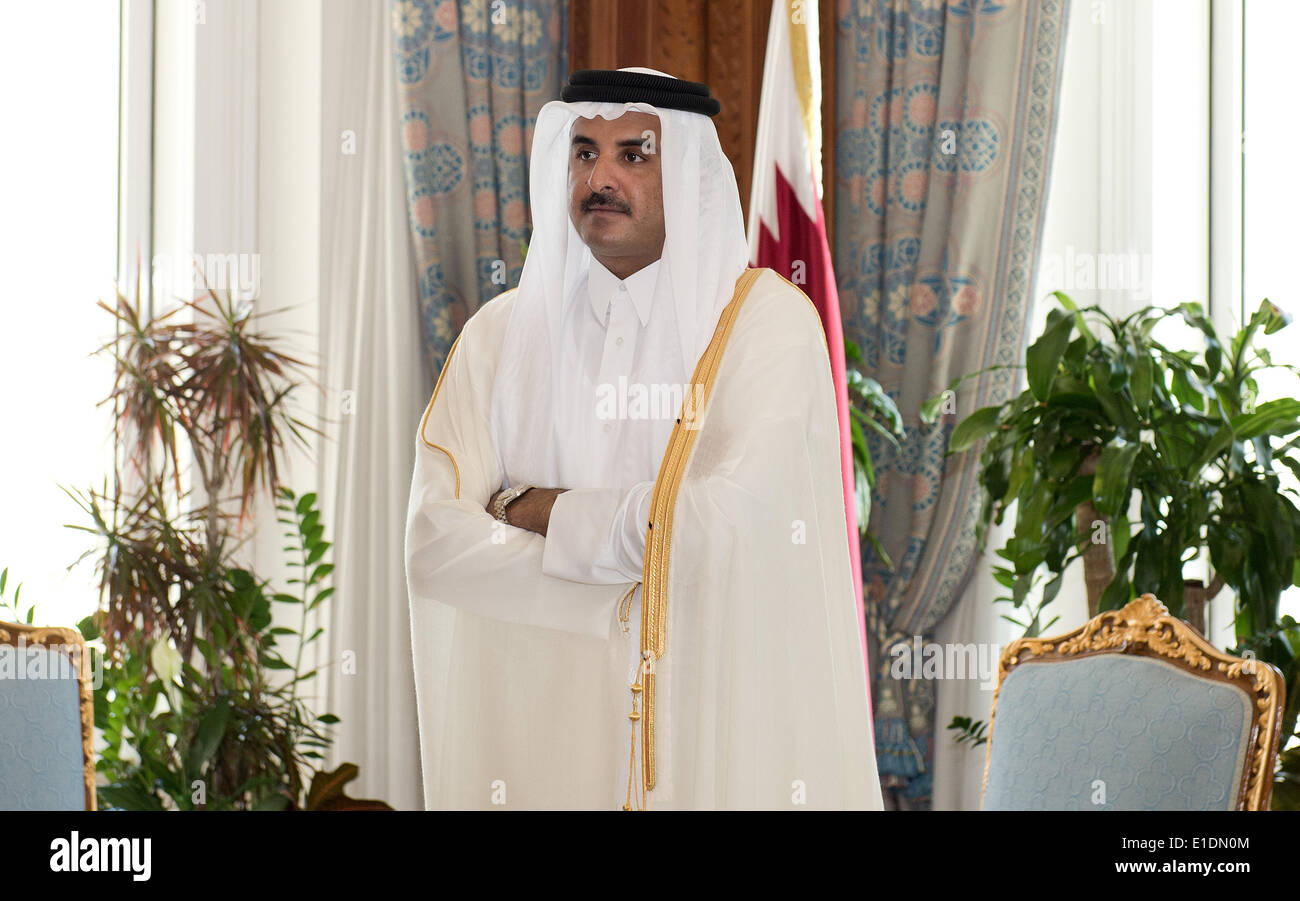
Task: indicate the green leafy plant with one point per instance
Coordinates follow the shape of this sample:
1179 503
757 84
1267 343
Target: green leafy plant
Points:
967 731
1112 419
869 408
198 706
10 604
219 735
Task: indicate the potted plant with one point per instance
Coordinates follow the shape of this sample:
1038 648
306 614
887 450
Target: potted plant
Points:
1112 422
198 706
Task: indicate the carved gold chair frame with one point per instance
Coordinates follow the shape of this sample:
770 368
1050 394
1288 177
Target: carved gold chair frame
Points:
60 640
1144 627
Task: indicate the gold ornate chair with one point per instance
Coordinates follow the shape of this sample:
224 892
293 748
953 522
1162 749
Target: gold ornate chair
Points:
47 717
1134 710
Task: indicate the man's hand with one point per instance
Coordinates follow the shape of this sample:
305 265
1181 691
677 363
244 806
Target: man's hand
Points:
532 511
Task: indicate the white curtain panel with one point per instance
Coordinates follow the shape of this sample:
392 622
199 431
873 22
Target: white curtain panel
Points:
370 352
975 619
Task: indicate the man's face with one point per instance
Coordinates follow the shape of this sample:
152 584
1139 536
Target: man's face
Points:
616 190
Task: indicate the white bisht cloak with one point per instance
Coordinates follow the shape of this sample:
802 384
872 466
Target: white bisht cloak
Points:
759 691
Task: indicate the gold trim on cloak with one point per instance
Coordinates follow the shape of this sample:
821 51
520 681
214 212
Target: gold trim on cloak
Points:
437 385
654 582
429 409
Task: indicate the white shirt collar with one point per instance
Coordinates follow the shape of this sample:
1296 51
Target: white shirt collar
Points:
602 285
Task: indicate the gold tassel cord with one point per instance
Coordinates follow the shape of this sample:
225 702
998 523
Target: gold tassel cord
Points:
634 782
625 608
624 615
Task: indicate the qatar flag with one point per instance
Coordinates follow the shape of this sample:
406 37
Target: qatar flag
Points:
787 228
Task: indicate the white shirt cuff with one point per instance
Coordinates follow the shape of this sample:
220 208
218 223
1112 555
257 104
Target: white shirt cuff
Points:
597 535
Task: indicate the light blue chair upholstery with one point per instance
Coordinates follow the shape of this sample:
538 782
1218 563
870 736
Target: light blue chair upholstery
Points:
43 725
1133 711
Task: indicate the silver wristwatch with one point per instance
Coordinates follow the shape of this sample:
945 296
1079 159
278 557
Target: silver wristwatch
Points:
504 499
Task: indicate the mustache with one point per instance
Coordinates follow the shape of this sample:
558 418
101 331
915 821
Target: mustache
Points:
604 200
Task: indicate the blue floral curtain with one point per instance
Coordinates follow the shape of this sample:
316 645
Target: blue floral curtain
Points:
472 75
945 115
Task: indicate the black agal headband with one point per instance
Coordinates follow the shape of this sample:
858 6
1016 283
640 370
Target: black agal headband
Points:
614 86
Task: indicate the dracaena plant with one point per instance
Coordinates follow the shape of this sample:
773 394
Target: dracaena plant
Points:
207 389
199 707
1138 458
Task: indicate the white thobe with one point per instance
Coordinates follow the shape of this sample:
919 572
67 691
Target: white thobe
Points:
597 534
761 692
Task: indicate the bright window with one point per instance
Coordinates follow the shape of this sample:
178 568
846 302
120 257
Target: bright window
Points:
58 161
1271 191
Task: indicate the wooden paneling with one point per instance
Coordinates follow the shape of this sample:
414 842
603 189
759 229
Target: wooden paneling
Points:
719 43
826 21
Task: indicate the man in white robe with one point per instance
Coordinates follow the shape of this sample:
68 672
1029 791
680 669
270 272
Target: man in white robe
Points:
664 618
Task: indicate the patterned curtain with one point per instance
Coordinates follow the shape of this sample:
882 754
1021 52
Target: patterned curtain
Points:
945 115
472 75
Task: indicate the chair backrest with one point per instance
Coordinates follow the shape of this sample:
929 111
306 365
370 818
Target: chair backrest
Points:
47 717
1134 710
